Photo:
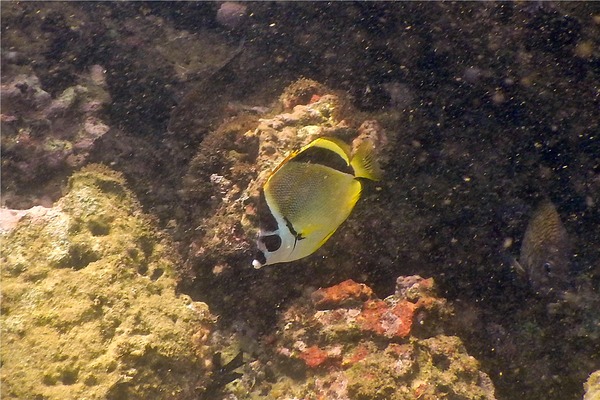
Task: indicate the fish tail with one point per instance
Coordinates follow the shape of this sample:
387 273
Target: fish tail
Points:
364 162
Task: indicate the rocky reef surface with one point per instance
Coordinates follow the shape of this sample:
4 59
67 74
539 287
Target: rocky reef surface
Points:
89 302
45 138
592 387
342 342
486 109
90 308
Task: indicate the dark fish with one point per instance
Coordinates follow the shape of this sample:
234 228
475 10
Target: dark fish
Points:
222 375
546 250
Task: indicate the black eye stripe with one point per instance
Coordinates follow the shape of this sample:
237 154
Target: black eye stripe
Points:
272 242
266 220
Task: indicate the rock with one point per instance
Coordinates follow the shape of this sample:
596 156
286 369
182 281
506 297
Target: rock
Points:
303 91
231 14
347 344
45 138
432 368
89 306
342 294
10 218
592 387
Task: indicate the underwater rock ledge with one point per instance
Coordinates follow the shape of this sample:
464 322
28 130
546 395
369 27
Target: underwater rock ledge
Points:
344 343
89 305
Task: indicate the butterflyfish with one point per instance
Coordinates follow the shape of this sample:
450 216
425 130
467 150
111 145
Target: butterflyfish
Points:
308 196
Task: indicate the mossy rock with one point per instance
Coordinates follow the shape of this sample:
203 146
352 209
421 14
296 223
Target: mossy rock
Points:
89 306
434 368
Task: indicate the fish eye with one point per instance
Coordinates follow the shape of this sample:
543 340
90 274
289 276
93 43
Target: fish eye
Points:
547 267
272 242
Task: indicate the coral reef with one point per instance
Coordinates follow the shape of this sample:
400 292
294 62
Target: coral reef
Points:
342 342
99 67
487 107
45 138
592 387
221 185
89 307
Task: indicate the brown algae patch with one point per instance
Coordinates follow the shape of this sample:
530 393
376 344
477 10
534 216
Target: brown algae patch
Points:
89 307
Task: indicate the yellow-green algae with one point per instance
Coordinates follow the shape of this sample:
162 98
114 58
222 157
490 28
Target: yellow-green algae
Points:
592 387
89 307
434 368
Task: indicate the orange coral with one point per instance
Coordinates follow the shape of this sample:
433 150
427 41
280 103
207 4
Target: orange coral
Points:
315 98
359 353
314 356
404 310
377 316
342 294
370 316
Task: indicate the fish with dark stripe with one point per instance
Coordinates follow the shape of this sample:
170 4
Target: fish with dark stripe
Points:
308 196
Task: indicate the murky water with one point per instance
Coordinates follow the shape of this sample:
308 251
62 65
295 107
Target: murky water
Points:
480 111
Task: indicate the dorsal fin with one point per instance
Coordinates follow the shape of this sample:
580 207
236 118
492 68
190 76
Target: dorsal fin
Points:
364 162
332 144
328 143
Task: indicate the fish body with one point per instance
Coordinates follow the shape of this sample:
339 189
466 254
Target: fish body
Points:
546 251
308 196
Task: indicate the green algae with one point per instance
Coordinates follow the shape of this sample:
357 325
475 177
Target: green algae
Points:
89 308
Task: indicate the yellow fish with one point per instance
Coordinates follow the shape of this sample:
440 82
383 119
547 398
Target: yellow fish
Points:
308 196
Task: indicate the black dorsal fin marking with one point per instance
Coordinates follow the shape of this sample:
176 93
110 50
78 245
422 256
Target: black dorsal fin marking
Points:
322 156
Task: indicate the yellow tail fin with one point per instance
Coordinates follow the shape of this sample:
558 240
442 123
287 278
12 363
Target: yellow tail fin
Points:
364 162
